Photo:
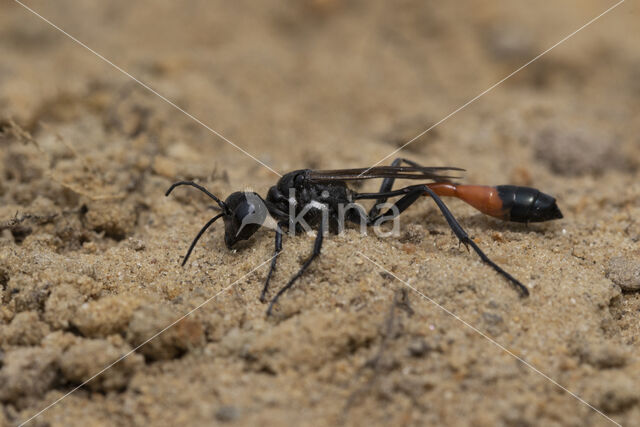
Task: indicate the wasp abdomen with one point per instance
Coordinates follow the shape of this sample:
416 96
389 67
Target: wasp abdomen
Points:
506 202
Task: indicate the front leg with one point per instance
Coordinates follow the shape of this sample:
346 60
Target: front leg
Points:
317 246
273 260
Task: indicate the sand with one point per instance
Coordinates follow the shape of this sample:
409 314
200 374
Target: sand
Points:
90 248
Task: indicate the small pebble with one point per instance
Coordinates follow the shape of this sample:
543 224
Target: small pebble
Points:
419 348
624 272
492 318
227 413
136 244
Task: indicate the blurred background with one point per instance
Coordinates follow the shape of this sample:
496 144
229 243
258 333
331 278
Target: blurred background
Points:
333 83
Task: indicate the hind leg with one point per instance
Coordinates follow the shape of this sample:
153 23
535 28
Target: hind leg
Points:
413 193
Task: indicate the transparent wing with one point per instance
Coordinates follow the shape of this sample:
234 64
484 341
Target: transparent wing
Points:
444 173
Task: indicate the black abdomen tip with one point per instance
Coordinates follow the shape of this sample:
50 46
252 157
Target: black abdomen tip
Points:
525 204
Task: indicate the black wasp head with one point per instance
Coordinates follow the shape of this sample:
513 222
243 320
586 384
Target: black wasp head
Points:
244 215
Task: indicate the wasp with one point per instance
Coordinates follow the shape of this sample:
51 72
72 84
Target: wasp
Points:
317 199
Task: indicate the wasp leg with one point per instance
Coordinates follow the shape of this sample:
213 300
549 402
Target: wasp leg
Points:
414 193
317 245
387 185
273 261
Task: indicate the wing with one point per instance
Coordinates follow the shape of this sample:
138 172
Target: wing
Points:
400 172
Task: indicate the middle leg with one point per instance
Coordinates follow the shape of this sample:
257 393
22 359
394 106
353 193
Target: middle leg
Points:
387 185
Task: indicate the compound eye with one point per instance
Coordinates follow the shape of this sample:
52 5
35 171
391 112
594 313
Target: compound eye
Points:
298 180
